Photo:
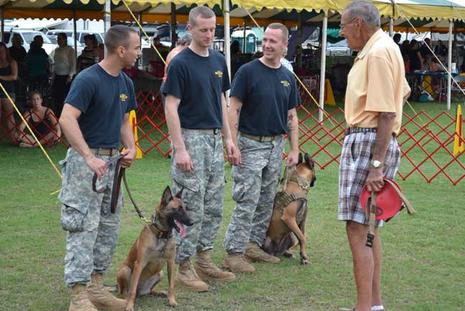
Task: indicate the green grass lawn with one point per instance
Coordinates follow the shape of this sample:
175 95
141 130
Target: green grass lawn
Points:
424 262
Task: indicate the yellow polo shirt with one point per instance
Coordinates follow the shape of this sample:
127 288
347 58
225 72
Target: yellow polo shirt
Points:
376 83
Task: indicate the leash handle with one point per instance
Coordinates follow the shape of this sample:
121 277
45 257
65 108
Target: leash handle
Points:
407 203
371 220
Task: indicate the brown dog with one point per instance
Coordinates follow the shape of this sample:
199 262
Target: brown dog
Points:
290 211
155 247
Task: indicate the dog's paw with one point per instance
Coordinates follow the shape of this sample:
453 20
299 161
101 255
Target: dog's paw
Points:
159 293
172 303
304 261
129 307
288 254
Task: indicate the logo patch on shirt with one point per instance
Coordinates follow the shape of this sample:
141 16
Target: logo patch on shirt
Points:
285 83
219 73
123 97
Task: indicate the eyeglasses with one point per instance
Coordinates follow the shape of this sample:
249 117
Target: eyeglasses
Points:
342 26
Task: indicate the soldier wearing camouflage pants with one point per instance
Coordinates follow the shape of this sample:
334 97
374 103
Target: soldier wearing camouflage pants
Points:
263 100
195 110
95 120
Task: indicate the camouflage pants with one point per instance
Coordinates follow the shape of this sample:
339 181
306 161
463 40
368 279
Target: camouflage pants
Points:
254 189
202 191
92 230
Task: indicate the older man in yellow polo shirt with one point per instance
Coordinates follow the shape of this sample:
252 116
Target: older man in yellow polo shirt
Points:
376 91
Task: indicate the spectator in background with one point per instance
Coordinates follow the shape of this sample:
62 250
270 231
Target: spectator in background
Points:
90 54
63 71
235 57
43 123
18 53
405 51
426 53
285 62
396 39
8 74
441 50
414 55
38 66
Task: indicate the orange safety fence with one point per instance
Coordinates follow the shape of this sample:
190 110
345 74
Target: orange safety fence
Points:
426 141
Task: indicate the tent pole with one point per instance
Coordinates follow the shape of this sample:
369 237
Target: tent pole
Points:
323 66
227 36
245 32
107 16
75 33
173 25
449 65
391 27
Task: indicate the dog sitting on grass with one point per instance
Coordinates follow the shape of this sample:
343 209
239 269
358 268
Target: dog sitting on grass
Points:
155 247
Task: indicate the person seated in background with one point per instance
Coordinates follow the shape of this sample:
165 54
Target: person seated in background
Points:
434 65
43 123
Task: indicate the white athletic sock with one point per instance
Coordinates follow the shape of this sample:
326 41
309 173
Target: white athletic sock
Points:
377 308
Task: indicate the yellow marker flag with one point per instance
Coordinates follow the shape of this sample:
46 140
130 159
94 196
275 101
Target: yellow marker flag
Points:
329 96
133 121
459 145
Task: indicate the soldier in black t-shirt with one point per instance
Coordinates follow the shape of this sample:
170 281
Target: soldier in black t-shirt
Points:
264 97
195 109
95 121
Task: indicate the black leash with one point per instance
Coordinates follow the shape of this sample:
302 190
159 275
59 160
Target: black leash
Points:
138 211
120 173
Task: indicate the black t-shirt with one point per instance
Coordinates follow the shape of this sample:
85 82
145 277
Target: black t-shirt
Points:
266 95
199 82
103 100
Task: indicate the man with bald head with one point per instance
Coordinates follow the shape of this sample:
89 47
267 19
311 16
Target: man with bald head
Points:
376 91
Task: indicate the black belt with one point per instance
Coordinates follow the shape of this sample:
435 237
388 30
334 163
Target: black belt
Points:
260 138
107 152
354 130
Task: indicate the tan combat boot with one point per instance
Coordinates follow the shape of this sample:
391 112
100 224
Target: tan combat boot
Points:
102 298
208 270
255 253
188 278
237 264
79 299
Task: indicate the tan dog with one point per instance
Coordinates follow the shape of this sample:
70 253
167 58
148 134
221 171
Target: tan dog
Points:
155 247
290 211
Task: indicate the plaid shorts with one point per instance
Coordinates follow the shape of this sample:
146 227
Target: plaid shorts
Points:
355 162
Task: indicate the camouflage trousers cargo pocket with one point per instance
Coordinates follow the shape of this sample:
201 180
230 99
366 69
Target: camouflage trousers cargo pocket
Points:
72 218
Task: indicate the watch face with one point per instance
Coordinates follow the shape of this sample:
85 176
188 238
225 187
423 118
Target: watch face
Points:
376 163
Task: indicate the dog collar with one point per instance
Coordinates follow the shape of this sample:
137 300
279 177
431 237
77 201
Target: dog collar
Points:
160 233
302 182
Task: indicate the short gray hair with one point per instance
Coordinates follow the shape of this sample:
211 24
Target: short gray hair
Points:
202 11
365 10
281 27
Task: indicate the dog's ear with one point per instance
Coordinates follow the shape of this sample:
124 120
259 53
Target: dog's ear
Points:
309 161
167 196
179 194
300 158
